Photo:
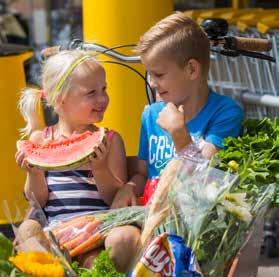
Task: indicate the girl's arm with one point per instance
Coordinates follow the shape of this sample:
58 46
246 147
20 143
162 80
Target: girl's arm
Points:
35 183
110 173
36 187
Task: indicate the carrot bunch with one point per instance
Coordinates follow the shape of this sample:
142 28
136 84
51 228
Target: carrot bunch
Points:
88 232
79 235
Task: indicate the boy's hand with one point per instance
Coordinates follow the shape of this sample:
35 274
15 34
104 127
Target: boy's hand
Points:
23 163
124 197
171 118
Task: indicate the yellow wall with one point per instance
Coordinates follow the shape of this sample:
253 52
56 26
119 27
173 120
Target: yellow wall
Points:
240 4
12 178
115 22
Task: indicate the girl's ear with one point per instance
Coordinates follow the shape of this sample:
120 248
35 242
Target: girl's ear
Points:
193 69
59 103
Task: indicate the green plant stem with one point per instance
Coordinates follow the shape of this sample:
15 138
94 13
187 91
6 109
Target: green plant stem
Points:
172 209
223 238
189 238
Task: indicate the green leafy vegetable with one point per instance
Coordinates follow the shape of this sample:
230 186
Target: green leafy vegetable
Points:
6 267
254 156
102 266
6 248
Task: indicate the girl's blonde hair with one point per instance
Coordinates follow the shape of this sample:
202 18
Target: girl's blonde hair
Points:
56 80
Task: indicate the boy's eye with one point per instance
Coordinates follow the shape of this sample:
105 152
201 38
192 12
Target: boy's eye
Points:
158 75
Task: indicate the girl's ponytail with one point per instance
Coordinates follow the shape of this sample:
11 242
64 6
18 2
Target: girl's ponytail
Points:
30 108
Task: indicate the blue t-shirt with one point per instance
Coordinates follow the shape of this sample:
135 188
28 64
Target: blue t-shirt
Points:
219 118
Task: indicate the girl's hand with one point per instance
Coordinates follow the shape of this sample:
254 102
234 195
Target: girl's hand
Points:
23 163
101 153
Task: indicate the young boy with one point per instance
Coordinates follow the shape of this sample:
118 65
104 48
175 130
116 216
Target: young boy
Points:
175 52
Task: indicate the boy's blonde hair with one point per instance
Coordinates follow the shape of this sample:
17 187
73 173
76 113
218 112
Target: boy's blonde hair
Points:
180 38
56 81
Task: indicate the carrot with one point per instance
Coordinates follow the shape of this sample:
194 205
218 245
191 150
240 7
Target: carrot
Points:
83 236
69 231
87 245
71 222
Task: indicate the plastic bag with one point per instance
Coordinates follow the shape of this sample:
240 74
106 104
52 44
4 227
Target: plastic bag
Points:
204 206
33 247
87 232
188 189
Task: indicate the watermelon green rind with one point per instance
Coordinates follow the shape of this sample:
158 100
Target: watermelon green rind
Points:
69 164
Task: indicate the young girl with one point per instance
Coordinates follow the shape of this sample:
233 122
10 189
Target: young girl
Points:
74 85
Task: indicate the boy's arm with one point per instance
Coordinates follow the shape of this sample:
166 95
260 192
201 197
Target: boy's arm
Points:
181 138
137 171
209 150
138 175
127 195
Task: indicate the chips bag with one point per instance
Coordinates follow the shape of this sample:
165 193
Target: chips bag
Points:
167 256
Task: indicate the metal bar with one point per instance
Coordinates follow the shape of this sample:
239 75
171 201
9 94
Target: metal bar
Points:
262 100
111 53
249 98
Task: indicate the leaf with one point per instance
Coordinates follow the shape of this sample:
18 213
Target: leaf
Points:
6 267
16 273
6 248
274 165
102 266
200 254
4 274
235 155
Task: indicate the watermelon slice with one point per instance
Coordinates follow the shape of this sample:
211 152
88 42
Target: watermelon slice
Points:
68 153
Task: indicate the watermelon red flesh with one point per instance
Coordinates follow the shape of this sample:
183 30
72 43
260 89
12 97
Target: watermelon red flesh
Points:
64 153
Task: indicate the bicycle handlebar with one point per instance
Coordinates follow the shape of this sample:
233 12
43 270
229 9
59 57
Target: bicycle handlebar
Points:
247 44
238 45
78 44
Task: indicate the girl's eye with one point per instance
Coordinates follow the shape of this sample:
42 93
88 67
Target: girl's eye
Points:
92 92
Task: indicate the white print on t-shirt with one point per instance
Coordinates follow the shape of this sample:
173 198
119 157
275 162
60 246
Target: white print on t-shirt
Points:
161 149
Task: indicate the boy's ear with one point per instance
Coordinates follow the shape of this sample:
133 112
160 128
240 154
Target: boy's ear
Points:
193 69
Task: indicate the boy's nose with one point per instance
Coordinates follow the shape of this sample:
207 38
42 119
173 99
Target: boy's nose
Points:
153 84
